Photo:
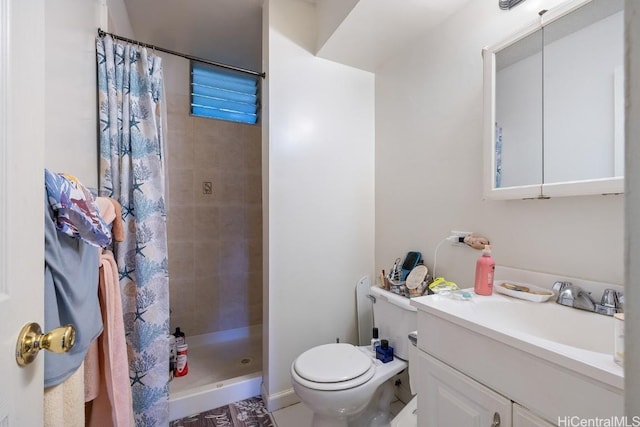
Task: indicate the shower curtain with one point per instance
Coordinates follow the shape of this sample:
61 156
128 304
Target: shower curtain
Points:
130 91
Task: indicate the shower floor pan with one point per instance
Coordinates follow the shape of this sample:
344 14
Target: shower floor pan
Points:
224 367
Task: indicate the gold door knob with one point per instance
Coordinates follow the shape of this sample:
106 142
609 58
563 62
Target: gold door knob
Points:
31 340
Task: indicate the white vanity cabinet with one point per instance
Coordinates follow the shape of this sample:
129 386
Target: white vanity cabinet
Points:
522 417
447 397
479 366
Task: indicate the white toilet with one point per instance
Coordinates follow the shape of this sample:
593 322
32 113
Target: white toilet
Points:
345 385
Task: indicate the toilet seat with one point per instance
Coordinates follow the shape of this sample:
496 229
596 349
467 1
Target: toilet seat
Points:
333 367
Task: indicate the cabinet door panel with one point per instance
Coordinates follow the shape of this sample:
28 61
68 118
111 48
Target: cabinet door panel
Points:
448 398
523 418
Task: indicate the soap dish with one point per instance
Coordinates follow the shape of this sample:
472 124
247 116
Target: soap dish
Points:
522 290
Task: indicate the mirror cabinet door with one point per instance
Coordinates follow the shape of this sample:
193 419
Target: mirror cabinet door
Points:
554 105
518 113
583 94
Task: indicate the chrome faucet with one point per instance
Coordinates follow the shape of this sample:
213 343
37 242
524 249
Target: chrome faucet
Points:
576 297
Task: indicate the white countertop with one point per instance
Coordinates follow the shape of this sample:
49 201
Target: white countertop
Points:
574 339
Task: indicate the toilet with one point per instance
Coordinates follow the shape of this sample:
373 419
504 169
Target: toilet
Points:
345 385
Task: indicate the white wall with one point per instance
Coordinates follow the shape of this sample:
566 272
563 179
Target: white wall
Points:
429 165
118 22
70 62
319 197
330 14
71 116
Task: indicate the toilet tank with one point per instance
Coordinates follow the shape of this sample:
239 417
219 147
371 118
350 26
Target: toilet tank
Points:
395 318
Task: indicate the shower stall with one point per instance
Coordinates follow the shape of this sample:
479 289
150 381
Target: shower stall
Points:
214 228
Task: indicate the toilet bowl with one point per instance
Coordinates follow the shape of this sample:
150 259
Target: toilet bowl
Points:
345 385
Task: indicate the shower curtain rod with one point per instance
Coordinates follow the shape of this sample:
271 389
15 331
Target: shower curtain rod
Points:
102 33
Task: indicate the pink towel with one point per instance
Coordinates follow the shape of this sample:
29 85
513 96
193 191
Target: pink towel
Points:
92 372
114 405
111 212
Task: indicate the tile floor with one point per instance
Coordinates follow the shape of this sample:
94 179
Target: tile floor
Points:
298 415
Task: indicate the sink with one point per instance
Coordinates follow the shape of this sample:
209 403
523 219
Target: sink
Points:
548 321
557 361
576 339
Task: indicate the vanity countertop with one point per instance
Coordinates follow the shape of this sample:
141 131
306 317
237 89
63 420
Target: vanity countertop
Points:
574 339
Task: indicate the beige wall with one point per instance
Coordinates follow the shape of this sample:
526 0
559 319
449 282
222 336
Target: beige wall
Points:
429 150
215 240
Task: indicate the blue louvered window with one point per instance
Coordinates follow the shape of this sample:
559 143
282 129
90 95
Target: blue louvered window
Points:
222 94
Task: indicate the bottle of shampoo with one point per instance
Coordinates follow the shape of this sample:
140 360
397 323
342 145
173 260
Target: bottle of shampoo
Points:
182 367
375 341
485 267
180 337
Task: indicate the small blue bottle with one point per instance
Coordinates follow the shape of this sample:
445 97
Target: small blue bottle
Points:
384 353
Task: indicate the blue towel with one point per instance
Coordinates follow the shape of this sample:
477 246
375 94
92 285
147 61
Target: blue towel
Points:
71 296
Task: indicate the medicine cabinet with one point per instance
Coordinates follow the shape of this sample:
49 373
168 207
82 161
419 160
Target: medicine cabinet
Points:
554 105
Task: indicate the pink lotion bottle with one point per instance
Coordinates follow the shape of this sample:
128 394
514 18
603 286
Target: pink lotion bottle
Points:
485 267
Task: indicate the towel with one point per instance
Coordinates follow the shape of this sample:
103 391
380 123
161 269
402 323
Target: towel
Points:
74 209
71 296
92 372
114 404
111 212
63 403
117 228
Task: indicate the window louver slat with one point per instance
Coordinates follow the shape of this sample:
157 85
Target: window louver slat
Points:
222 95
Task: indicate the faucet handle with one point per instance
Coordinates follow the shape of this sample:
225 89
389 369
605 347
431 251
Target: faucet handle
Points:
612 302
620 304
560 286
610 298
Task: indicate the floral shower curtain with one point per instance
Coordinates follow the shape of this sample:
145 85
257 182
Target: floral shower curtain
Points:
130 91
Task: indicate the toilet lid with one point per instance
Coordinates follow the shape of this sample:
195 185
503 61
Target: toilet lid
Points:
333 363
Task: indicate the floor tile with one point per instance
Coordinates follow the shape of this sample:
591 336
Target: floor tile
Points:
298 415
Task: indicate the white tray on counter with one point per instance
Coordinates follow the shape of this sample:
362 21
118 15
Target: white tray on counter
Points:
535 293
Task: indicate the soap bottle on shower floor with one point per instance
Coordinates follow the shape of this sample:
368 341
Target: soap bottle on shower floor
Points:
180 337
182 366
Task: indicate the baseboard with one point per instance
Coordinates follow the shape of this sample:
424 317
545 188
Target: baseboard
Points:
279 400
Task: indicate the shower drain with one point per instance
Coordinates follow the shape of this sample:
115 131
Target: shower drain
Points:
246 360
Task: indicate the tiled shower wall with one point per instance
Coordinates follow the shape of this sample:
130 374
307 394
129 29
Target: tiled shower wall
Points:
214 216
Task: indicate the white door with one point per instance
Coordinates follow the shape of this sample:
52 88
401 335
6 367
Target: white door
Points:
21 203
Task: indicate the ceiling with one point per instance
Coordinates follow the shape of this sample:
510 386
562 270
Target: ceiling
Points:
375 30
227 31
230 31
